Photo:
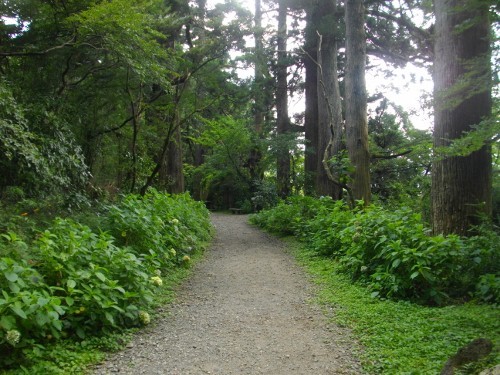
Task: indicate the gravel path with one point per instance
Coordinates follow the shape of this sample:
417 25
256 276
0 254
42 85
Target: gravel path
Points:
245 310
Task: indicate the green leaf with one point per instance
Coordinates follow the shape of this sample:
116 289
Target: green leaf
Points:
100 276
59 309
109 317
427 275
80 333
8 322
19 311
120 289
14 287
42 301
71 284
414 274
57 324
41 319
11 276
396 263
70 301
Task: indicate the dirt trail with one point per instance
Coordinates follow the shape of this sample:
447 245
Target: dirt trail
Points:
246 310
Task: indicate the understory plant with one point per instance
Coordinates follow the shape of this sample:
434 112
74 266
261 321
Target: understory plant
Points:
392 252
72 281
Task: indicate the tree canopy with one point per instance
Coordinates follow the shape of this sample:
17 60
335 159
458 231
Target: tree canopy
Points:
99 97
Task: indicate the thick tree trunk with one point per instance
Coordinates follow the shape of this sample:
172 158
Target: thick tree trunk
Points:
311 102
282 119
329 102
355 99
461 185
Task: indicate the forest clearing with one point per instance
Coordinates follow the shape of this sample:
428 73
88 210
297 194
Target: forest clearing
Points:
130 130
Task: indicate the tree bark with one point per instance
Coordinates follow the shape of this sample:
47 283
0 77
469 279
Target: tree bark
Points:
175 171
356 102
172 174
329 102
260 69
282 119
461 185
311 101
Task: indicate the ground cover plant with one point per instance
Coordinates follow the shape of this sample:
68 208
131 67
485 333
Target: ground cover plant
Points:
416 298
72 281
399 337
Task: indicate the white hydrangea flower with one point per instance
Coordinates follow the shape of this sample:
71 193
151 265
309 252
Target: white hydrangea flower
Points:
13 337
144 317
156 280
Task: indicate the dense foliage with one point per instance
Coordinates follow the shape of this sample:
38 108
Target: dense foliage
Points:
391 251
73 280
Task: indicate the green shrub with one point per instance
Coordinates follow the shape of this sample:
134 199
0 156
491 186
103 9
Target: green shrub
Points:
322 233
266 196
290 216
78 280
154 225
391 251
28 308
101 285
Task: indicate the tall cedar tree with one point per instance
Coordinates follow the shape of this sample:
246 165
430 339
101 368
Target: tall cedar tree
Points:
311 99
461 185
356 102
330 107
282 120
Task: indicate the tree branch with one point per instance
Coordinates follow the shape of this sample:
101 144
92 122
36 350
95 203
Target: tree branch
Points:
391 156
70 42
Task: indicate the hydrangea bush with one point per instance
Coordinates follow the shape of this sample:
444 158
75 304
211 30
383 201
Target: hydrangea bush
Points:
76 281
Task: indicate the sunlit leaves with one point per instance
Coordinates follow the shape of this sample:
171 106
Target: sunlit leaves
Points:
131 31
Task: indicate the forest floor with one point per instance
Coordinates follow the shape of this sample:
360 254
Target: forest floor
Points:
247 309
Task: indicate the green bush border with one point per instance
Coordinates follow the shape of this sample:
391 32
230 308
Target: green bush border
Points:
73 356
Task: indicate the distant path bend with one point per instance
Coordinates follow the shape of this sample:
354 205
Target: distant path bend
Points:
245 310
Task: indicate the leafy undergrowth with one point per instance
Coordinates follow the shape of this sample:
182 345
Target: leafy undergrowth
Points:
401 337
77 356
76 290
391 252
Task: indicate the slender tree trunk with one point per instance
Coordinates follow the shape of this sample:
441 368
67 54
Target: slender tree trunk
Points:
260 98
329 102
175 172
135 112
461 185
260 69
311 101
169 168
198 159
172 176
282 119
355 99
